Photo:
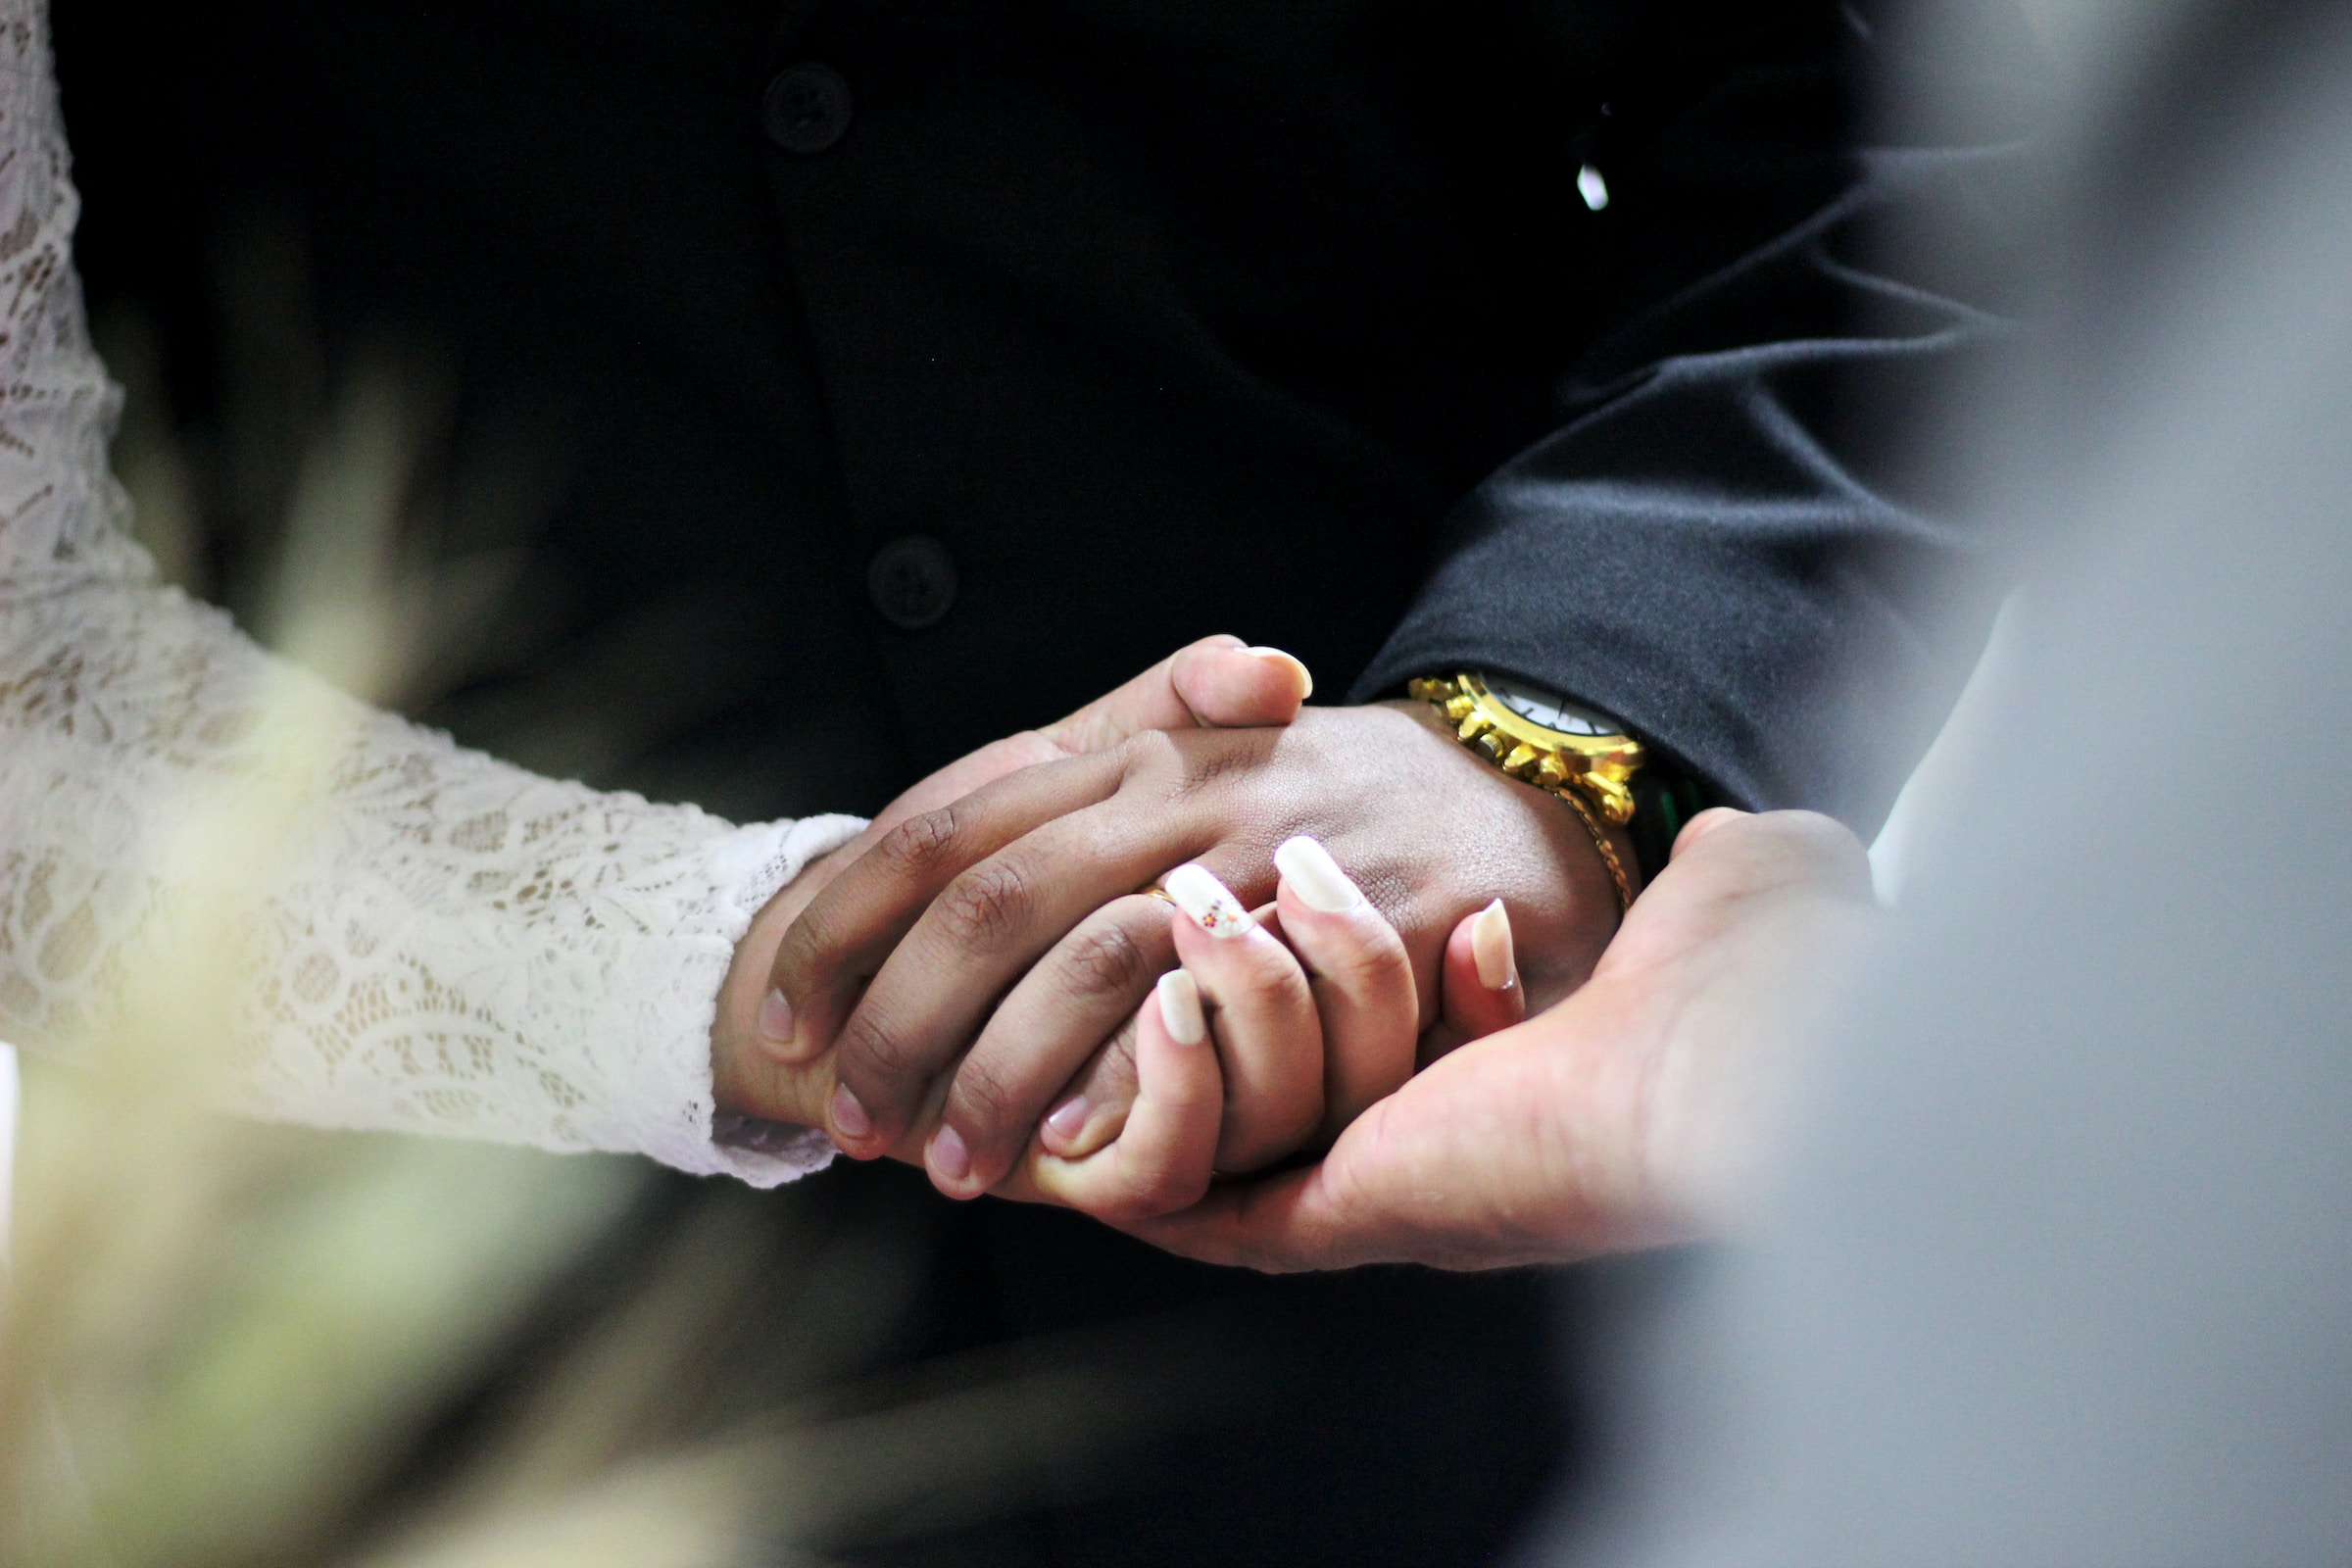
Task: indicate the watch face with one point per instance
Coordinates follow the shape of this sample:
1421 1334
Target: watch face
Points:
1549 710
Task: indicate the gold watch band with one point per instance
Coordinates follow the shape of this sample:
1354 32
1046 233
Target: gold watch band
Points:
1608 850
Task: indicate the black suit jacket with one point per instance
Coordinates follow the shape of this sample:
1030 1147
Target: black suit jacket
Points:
1157 318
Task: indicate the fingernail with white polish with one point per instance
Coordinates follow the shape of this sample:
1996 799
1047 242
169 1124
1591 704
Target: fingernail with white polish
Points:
1312 872
949 1156
849 1117
1068 1118
1180 1009
1306 675
1491 947
775 1018
1210 903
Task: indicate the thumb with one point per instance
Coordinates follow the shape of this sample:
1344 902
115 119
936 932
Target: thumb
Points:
1213 683
1217 682
1277 1225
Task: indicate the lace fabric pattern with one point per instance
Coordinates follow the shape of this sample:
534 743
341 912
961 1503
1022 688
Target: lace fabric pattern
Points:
438 942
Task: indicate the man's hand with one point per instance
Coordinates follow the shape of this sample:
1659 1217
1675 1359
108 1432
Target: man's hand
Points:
1008 923
1215 681
1625 1116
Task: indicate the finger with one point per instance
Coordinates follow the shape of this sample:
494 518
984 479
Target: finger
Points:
1262 1015
1359 974
984 930
1056 1016
1482 991
1446 1171
844 934
1161 1160
1215 682
1704 824
1726 863
1280 1225
1092 1108
974 770
1478 982
1235 687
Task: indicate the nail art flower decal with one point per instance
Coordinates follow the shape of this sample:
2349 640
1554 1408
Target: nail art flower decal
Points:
1212 906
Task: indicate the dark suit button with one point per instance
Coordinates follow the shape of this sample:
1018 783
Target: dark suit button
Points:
806 109
912 581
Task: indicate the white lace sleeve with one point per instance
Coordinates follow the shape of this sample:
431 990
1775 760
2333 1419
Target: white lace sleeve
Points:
443 944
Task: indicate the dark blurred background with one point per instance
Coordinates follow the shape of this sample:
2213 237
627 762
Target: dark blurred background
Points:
342 382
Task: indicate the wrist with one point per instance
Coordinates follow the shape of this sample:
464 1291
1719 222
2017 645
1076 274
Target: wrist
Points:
1554 958
1612 846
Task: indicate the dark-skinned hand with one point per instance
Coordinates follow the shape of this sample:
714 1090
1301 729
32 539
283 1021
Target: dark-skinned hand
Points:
952 981
1215 681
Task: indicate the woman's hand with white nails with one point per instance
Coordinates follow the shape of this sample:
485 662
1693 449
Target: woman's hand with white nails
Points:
1625 1116
1261 1015
1479 983
1269 990
1163 1155
1360 977
1311 1002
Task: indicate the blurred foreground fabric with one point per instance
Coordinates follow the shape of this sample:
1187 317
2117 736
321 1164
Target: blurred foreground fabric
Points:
2060 1271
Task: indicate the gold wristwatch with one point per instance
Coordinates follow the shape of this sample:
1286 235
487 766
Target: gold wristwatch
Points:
1581 757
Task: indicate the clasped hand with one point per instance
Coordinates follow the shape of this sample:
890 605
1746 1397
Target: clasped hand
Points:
964 985
967 985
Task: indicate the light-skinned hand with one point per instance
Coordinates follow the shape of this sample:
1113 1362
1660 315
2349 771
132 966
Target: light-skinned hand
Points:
1211 1037
1625 1116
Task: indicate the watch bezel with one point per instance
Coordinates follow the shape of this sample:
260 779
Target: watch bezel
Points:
1619 749
1517 695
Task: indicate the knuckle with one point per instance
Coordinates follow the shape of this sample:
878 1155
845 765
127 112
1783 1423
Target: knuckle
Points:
984 1097
1344 1179
985 905
1104 958
1160 766
1115 1072
1278 987
873 1050
1376 958
1209 763
801 958
1149 749
1293 992
1162 1190
925 845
